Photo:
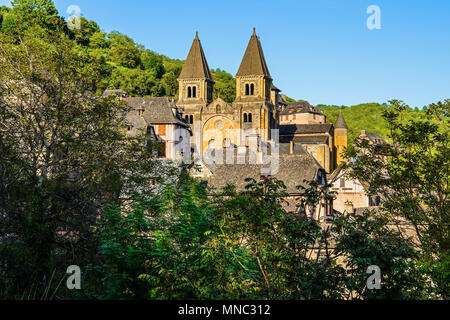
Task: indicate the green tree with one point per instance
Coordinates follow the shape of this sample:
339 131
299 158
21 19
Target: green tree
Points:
411 175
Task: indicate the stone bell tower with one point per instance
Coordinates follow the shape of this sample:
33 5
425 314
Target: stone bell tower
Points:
253 92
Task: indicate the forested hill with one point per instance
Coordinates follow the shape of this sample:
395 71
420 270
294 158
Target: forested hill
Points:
129 66
367 116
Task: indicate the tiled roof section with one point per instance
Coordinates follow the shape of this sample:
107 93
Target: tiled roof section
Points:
196 66
293 170
340 122
300 107
253 63
159 110
314 139
118 92
373 137
291 129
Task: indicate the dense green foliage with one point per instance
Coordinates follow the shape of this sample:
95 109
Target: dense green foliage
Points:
367 116
75 190
125 65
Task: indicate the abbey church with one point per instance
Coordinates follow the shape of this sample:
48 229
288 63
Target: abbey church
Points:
257 110
309 148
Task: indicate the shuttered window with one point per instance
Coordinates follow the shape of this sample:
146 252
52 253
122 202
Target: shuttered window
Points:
162 130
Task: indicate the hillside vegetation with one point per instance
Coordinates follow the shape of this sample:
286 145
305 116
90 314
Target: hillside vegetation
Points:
139 71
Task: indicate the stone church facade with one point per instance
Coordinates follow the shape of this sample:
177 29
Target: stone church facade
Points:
253 113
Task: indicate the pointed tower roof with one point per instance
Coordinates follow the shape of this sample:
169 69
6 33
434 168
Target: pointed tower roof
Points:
196 66
340 122
253 63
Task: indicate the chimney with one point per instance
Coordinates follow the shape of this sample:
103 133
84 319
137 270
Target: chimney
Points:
363 133
291 147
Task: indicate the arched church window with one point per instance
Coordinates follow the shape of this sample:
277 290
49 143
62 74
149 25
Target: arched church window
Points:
250 117
212 144
247 89
252 89
186 118
194 92
189 92
191 119
218 109
245 117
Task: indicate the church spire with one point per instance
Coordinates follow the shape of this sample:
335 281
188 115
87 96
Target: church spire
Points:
340 122
196 66
253 63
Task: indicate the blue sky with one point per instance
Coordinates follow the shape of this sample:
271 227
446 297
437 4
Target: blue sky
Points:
320 51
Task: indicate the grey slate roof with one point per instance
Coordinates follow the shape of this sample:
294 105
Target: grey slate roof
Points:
253 63
293 170
340 122
300 107
313 139
158 110
196 66
373 137
291 129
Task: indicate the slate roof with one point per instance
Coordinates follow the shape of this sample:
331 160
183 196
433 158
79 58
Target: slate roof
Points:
313 139
300 107
253 63
340 122
158 110
293 170
118 92
196 66
373 137
291 129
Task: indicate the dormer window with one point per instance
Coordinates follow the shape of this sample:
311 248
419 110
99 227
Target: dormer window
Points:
140 112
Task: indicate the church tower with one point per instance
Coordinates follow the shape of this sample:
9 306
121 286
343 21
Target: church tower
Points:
340 138
253 92
195 87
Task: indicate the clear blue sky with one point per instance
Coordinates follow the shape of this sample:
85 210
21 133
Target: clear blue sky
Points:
320 50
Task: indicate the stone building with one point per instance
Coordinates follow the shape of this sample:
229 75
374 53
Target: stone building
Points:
302 123
351 194
301 113
216 123
159 119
